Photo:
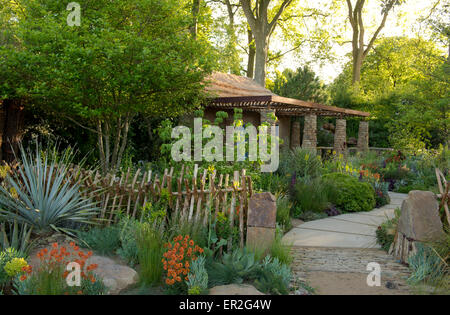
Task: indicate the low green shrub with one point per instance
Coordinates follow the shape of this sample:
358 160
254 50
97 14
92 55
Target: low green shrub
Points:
6 257
104 240
308 215
128 246
273 277
348 194
385 233
235 267
310 195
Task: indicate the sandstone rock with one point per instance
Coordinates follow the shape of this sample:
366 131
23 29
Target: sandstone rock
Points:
116 277
261 220
235 289
420 217
262 210
419 222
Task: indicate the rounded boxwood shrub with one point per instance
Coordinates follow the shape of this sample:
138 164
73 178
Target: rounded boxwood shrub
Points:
348 194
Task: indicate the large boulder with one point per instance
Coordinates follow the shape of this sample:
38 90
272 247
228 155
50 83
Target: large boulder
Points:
235 289
420 218
116 277
419 222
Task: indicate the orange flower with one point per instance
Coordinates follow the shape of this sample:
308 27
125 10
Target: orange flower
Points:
72 244
55 245
191 242
23 278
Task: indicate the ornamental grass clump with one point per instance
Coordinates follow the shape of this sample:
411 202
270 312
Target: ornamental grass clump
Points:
149 241
53 275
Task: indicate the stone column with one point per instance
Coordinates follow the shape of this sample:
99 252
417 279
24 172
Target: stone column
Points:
340 136
295 138
267 116
310 132
363 136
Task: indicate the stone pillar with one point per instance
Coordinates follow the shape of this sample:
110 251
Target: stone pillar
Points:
295 137
284 124
340 136
310 132
267 115
363 136
261 220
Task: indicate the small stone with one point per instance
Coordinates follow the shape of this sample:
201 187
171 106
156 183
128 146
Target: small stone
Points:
391 285
235 289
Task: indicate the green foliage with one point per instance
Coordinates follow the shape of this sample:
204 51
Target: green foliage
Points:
44 199
386 231
311 195
302 84
105 240
284 206
120 63
50 281
198 277
348 194
426 265
15 235
235 267
150 244
299 163
280 250
406 79
128 249
6 256
274 277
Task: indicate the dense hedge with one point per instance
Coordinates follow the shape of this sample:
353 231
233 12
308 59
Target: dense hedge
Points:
348 194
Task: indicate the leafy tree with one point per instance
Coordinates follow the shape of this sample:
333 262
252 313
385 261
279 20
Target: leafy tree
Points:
359 49
302 84
404 85
262 26
127 57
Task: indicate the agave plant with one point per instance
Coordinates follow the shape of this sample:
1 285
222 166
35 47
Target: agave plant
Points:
43 193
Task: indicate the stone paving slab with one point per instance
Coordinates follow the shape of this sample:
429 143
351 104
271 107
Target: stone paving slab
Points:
336 225
318 238
351 230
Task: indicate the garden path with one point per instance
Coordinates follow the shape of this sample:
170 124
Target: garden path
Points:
332 254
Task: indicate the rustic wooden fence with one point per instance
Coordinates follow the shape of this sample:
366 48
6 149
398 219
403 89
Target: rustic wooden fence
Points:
191 196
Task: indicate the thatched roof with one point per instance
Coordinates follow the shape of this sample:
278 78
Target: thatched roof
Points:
228 91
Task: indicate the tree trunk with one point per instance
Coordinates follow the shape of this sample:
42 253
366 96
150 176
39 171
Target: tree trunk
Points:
261 45
251 55
195 13
357 65
12 129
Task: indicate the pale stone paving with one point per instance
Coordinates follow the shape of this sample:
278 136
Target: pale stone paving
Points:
341 247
